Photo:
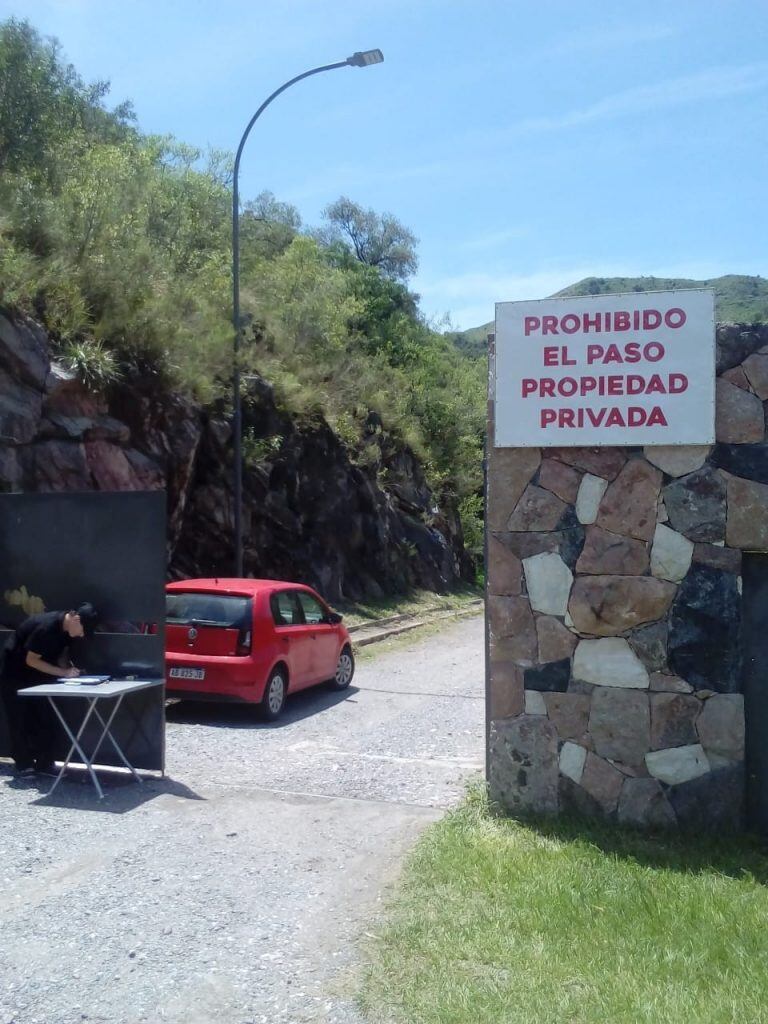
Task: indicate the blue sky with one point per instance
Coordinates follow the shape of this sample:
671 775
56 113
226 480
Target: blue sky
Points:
526 144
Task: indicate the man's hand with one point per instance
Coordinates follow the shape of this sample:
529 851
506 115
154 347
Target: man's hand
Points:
71 672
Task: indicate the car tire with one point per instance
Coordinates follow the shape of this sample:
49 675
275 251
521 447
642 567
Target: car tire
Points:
273 700
345 669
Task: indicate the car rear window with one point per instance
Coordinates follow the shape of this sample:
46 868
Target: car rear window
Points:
223 610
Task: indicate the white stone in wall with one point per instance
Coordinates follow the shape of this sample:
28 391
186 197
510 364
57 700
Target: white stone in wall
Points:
662 515
677 459
671 554
591 491
572 758
549 581
534 703
609 662
677 764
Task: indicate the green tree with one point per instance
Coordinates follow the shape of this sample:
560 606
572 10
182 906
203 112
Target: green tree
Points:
379 240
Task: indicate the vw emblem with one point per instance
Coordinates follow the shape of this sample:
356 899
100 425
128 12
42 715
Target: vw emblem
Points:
192 634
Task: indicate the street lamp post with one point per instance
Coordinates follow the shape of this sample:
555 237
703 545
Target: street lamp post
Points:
361 59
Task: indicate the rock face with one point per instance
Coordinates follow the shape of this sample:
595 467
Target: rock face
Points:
310 512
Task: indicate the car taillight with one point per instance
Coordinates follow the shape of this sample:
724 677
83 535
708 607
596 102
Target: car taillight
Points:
243 642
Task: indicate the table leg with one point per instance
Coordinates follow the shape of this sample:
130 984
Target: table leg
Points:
76 746
106 733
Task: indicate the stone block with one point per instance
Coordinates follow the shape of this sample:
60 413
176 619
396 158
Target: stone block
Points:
572 758
650 645
662 516
555 641
611 553
523 545
571 538
749 461
755 368
548 581
560 479
643 803
671 554
734 344
673 720
511 618
506 690
737 376
524 768
696 505
629 505
553 676
509 472
504 568
738 415
536 510
591 491
677 459
569 713
747 525
534 703
620 724
677 764
704 624
577 801
609 662
712 801
721 726
603 782
604 462
663 683
609 605
728 559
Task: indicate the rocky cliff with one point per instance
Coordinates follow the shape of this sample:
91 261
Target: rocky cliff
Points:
353 524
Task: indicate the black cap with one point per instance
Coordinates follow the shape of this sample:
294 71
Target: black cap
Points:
88 617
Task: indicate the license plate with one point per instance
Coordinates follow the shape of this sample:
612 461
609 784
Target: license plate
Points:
187 673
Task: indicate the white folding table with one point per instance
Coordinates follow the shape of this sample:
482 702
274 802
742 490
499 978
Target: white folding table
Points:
94 695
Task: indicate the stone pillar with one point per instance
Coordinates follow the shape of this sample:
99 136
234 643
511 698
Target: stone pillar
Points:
613 600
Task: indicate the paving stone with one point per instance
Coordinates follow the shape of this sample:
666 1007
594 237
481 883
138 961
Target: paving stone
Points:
677 764
712 801
721 726
677 459
604 462
747 525
755 368
608 605
555 641
506 690
524 767
643 803
609 662
560 479
569 713
534 703
673 720
606 552
650 645
591 491
509 472
728 559
554 676
602 781
663 683
704 622
629 505
671 554
696 505
738 415
572 758
620 724
537 510
548 580
504 568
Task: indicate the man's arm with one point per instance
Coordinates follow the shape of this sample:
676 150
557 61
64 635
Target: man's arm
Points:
37 662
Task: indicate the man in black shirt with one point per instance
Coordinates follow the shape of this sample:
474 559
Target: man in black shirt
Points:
33 656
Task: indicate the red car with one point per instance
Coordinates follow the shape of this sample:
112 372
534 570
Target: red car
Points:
252 640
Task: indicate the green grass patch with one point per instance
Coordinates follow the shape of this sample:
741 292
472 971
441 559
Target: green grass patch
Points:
572 923
417 602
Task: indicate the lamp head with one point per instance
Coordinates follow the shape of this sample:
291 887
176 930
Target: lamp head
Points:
363 58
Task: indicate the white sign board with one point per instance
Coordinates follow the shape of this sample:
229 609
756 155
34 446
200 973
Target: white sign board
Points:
630 369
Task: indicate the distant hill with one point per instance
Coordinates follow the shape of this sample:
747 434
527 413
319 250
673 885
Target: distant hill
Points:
737 298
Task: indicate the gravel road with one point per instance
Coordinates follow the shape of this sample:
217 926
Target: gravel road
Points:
234 890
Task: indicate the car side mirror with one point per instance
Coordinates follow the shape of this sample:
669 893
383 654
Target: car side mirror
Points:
334 618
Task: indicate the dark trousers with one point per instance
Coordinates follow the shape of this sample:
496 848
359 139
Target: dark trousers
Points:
31 725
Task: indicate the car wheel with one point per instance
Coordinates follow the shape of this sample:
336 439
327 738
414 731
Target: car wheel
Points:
345 669
273 701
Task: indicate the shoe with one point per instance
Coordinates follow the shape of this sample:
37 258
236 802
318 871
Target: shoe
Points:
25 773
47 769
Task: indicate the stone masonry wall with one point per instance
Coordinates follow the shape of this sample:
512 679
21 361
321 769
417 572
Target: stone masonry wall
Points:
614 579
